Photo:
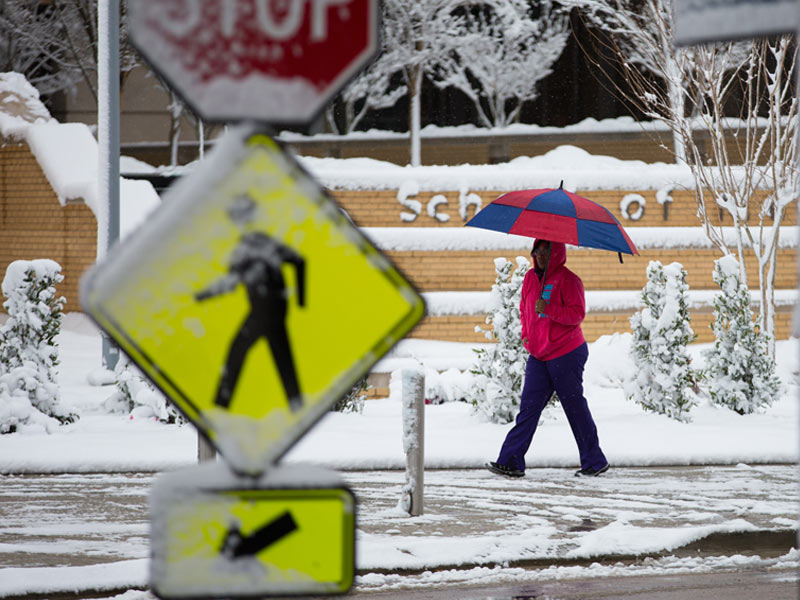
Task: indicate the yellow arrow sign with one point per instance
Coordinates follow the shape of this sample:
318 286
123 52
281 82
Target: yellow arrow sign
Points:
231 542
251 300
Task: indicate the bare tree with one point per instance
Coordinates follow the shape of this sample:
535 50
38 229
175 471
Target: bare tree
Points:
32 43
374 89
755 178
640 34
505 50
418 34
733 117
54 44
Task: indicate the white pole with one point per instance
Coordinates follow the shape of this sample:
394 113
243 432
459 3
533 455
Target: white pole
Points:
108 108
205 451
413 381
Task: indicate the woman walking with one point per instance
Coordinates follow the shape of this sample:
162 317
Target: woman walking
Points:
551 311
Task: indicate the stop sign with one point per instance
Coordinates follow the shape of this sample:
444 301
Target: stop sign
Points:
276 61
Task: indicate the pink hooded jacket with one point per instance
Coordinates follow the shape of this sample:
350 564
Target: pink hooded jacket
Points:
558 330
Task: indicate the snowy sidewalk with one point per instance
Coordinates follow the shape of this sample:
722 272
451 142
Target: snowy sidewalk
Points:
551 517
475 527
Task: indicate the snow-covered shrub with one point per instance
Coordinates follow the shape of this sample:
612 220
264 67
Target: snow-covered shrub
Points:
353 401
29 393
451 385
740 373
500 370
136 396
663 381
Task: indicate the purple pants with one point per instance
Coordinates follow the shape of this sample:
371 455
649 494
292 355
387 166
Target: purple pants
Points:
564 375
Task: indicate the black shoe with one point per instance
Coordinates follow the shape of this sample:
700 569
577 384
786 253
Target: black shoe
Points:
590 472
505 471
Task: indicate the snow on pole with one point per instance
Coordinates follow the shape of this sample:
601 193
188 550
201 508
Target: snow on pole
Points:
205 451
413 402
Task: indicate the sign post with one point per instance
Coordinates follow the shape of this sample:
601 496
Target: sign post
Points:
254 304
250 299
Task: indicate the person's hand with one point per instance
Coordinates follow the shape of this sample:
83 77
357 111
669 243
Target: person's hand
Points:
541 305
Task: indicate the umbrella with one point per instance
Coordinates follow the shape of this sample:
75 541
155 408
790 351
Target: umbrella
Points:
556 215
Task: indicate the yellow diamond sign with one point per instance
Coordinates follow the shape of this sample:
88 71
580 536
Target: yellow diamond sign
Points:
251 300
213 536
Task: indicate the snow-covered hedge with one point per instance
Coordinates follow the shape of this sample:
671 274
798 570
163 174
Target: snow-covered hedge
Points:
135 395
739 371
500 370
664 380
29 396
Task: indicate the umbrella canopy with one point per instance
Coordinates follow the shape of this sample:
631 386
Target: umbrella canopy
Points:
556 215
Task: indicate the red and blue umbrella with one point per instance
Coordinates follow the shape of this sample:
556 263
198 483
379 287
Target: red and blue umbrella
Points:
556 215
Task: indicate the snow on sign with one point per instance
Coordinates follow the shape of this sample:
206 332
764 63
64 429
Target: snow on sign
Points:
217 537
703 21
250 300
275 61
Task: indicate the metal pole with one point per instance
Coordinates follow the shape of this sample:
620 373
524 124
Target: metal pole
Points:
108 108
796 324
413 439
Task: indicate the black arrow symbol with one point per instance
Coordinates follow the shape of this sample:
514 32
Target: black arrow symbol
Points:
236 545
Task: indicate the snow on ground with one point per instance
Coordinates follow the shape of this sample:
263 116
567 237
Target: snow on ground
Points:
455 437
476 528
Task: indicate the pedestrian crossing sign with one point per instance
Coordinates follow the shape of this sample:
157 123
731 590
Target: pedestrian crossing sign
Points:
251 300
214 536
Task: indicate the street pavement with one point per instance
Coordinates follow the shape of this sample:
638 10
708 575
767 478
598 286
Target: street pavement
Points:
548 534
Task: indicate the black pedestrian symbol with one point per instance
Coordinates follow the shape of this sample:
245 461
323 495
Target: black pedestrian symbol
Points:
235 545
256 263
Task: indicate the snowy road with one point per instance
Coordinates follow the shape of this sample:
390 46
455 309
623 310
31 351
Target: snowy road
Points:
75 532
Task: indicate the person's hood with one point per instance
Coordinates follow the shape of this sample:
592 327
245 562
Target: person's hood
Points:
558 255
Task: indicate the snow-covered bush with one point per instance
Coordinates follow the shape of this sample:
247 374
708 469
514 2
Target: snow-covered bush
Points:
740 373
29 394
353 401
500 370
664 380
451 385
136 396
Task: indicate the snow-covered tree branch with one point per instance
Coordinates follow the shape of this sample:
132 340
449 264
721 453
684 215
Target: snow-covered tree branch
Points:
506 50
54 44
418 34
732 112
753 178
374 89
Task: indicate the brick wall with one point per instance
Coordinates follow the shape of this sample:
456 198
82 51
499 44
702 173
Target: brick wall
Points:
461 328
381 208
474 271
33 224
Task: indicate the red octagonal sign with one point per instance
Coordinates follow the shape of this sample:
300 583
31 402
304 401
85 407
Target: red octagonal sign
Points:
276 61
